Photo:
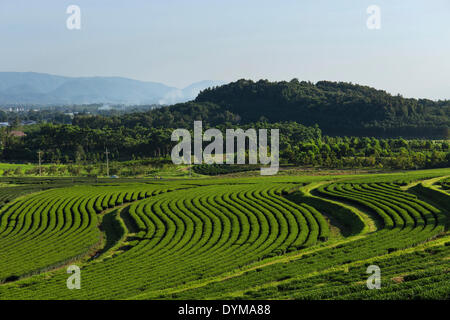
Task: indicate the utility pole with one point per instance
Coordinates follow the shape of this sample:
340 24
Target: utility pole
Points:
107 162
40 168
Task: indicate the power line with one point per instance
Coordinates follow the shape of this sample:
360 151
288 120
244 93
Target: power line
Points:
40 168
107 162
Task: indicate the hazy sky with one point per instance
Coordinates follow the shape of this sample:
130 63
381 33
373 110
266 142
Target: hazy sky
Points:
178 42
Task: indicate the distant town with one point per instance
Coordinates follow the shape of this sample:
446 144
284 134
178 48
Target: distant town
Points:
13 116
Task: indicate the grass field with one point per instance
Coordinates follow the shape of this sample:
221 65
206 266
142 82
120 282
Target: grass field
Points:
127 169
11 166
245 237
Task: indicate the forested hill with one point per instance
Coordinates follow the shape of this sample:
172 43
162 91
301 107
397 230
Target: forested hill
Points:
338 108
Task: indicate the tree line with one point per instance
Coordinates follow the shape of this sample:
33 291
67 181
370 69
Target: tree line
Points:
299 144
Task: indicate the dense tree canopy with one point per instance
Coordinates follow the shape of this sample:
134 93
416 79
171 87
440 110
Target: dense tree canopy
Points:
300 145
338 108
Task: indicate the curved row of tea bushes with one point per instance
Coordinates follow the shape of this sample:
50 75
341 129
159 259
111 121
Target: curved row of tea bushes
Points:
187 235
399 274
46 229
425 222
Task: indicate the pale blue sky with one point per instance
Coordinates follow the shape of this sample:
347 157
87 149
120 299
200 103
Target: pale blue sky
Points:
178 42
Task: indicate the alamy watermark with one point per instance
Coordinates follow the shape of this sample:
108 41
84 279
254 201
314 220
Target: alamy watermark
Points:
374 281
74 281
73 22
374 20
214 152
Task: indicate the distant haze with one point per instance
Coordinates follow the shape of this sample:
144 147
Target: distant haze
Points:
45 89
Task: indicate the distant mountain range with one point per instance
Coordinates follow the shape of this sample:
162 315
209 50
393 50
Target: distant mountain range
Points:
45 89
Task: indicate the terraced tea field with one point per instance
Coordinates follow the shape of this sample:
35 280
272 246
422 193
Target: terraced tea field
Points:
286 237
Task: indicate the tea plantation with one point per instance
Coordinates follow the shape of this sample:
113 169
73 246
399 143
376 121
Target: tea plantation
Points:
281 237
